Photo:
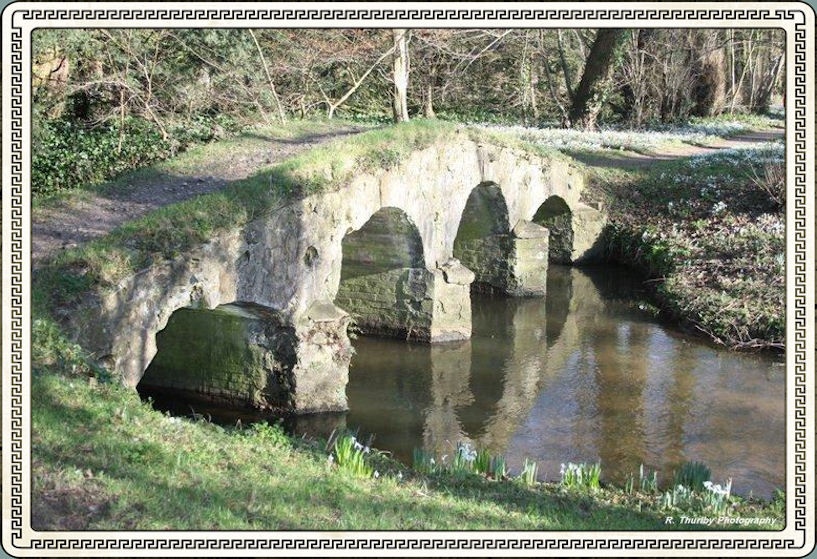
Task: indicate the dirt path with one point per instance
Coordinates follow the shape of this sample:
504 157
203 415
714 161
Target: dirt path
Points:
81 220
87 217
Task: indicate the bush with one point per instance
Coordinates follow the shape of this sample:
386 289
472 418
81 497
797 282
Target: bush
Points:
68 154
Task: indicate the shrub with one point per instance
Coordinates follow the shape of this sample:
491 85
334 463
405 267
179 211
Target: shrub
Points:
67 154
773 182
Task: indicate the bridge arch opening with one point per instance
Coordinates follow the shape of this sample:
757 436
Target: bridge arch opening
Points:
555 215
238 354
483 240
384 284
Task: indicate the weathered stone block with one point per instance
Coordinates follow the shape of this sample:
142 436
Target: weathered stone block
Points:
241 355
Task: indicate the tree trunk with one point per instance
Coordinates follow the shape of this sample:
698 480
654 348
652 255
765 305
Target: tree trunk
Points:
428 105
401 74
709 91
588 98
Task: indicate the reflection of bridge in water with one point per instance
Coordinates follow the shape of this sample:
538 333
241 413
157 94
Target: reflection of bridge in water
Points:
582 376
476 390
525 347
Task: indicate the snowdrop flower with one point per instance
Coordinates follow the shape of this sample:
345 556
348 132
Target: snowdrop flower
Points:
719 208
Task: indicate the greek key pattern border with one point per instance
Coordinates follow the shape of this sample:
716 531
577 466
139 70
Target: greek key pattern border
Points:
102 16
14 191
797 342
420 15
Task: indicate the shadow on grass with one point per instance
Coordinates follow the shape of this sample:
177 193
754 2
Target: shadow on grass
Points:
95 470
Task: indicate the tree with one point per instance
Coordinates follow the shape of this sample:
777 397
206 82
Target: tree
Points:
400 74
589 95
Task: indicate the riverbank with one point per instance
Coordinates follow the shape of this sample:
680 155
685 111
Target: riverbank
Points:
104 460
708 232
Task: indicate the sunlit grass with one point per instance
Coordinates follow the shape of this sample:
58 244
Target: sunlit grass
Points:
104 460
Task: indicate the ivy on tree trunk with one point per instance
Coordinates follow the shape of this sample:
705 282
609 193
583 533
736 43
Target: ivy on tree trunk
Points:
588 98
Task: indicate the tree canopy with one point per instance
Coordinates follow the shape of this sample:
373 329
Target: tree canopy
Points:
151 92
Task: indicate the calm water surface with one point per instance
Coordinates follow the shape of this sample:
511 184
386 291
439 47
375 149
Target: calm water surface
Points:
582 375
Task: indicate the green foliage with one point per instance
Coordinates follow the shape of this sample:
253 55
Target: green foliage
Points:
581 476
423 461
692 475
350 456
482 462
51 350
67 154
528 474
269 433
498 467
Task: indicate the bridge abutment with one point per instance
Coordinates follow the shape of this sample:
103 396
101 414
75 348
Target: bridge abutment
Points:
253 356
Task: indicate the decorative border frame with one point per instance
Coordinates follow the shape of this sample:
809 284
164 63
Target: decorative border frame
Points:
18 21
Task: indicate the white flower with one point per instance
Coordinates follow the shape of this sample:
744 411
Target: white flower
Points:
719 208
376 474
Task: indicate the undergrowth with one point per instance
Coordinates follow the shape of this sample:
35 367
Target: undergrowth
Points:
709 232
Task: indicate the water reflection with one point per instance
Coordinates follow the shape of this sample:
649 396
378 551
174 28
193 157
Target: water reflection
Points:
582 375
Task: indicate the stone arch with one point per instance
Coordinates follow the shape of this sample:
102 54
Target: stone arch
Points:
556 215
384 284
238 354
483 240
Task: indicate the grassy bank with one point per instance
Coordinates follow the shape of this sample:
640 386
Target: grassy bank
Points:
709 232
103 459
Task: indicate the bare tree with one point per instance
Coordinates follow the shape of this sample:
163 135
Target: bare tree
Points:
400 74
589 95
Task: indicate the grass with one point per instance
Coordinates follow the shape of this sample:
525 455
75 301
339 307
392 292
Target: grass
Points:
105 460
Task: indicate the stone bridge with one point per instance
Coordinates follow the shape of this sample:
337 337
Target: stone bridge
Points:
262 315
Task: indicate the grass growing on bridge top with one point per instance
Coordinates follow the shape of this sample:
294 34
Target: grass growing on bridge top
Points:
171 230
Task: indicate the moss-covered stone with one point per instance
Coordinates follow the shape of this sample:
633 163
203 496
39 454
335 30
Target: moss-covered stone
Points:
235 354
